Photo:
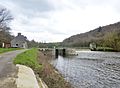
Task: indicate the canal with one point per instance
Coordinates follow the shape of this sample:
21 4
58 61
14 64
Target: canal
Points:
90 69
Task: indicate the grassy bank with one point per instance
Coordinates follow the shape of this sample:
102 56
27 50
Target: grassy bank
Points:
3 50
28 58
105 49
48 73
38 61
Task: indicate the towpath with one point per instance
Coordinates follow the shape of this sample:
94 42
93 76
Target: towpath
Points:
8 70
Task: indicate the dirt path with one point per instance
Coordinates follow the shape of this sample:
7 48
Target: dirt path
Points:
7 69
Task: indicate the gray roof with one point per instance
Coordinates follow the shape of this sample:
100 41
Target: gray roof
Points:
19 38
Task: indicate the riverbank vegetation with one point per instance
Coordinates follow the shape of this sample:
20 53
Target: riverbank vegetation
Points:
104 49
39 62
112 40
28 58
48 73
3 50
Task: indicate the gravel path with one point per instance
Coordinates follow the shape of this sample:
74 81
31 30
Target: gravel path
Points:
7 69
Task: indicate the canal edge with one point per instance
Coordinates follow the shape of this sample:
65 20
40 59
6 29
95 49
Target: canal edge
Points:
26 78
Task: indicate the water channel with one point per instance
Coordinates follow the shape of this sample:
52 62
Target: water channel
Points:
90 69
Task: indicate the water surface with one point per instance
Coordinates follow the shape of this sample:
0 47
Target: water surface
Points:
91 69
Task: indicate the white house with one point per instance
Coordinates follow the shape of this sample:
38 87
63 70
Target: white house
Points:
20 41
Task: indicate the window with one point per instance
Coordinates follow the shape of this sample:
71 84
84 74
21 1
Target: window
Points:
16 44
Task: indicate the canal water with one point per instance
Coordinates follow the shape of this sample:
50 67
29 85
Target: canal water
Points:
90 69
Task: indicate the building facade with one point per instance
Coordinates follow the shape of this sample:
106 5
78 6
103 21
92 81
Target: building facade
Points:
20 41
6 45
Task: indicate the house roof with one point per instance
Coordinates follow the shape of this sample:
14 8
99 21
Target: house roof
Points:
19 37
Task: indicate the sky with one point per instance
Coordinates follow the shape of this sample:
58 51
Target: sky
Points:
55 20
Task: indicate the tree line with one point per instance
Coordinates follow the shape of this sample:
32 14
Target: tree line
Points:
5 18
112 40
33 43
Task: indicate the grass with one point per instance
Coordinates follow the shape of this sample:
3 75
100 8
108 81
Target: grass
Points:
38 61
3 50
105 49
28 58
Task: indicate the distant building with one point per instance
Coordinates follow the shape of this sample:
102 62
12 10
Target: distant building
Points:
93 46
6 45
20 41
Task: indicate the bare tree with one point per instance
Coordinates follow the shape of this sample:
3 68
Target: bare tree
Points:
5 17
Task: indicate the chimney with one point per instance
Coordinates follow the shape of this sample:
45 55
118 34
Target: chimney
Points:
19 34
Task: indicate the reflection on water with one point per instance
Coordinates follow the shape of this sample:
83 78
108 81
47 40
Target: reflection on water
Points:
91 69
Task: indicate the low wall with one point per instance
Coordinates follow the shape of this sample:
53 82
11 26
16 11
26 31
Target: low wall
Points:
27 79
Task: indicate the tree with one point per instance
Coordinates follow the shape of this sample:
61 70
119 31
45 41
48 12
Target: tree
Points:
33 43
5 17
112 40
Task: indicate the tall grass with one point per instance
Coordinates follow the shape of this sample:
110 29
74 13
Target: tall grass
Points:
28 58
49 74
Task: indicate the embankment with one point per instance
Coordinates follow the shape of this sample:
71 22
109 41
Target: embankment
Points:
48 73
38 61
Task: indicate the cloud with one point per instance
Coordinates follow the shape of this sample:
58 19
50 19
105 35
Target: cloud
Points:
30 8
34 5
55 20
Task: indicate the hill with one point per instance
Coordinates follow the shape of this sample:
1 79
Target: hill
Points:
95 35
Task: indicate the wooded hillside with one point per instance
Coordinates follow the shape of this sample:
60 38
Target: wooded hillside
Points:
98 35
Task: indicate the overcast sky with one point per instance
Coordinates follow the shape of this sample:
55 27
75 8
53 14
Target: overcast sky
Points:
55 20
